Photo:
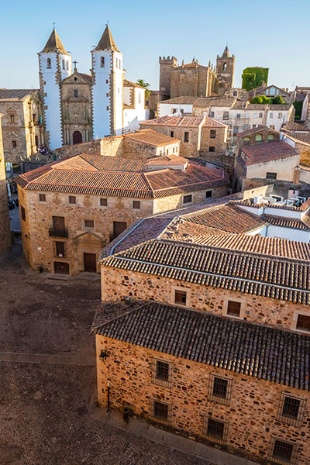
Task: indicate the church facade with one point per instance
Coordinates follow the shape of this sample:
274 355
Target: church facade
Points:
79 107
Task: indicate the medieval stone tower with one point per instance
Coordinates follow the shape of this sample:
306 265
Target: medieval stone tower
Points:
55 64
166 65
107 73
5 234
225 68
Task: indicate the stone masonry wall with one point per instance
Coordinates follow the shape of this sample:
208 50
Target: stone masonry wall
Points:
5 234
251 414
68 151
219 142
112 146
118 284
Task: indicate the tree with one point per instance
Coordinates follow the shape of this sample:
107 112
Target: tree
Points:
278 99
146 86
261 99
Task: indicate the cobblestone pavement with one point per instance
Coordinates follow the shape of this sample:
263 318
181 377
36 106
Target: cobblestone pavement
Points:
48 377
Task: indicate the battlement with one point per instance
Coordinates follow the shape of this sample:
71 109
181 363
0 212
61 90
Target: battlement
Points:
168 61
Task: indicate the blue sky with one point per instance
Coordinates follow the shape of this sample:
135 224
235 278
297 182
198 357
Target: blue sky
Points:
273 34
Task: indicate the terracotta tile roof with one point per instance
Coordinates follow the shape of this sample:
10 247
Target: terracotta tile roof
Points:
151 137
292 126
166 161
54 44
286 222
258 129
276 277
127 83
213 123
214 102
185 100
16 94
106 41
281 357
248 203
228 218
266 151
175 121
111 176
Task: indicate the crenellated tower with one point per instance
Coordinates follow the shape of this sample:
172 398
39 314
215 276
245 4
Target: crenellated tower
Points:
107 91
166 65
55 64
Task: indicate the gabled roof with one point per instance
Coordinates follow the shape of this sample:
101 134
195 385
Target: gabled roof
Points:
271 354
111 176
176 121
54 44
16 94
106 42
77 77
151 137
267 151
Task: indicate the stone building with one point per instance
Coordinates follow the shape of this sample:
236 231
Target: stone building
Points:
71 209
78 107
22 129
197 135
5 233
205 330
193 79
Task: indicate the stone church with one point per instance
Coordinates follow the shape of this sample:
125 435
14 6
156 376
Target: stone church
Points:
79 107
195 80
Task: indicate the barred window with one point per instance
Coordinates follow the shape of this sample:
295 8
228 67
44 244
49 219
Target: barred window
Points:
216 430
161 373
220 389
136 204
89 223
103 202
291 409
42 197
283 452
72 199
187 198
160 410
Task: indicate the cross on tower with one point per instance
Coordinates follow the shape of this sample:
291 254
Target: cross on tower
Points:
75 63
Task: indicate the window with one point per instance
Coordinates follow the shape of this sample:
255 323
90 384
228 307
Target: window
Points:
233 308
63 64
282 452
238 115
212 134
220 389
258 138
270 175
291 409
271 115
60 249
226 115
23 213
75 93
89 223
216 429
211 149
171 134
160 410
136 204
208 194
101 62
103 202
42 197
180 297
48 63
187 198
260 115
14 144
280 115
72 199
224 66
174 110
211 114
270 137
12 118
161 373
186 136
303 323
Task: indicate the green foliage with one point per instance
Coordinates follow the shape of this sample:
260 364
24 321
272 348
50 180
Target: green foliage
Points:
278 100
146 86
254 77
261 99
298 109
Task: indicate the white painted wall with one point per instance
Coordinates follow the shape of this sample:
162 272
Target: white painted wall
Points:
165 109
288 233
284 167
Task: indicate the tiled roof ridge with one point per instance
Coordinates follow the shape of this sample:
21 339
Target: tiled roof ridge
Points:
136 309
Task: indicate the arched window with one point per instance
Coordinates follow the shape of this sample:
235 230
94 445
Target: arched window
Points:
101 62
67 65
258 138
48 63
224 66
63 64
270 137
246 140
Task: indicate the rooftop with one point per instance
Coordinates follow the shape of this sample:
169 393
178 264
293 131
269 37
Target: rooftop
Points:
151 137
274 355
267 151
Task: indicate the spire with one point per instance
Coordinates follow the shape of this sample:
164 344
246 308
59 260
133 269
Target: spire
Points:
54 44
107 42
226 53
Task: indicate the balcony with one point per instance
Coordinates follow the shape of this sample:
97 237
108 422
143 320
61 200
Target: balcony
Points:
58 232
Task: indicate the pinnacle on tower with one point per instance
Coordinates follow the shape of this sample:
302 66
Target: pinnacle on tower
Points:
226 53
107 42
54 44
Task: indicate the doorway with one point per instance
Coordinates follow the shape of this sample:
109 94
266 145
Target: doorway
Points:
77 137
90 262
61 268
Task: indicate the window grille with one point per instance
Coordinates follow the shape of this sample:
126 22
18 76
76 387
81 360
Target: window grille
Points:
282 452
220 389
215 430
291 409
160 411
161 373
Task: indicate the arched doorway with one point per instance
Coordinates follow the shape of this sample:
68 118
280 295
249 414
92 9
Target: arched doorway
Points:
77 137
